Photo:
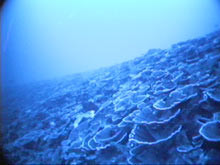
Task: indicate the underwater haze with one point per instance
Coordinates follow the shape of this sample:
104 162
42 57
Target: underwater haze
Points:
110 82
44 39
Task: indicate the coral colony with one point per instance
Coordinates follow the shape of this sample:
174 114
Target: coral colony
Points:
160 108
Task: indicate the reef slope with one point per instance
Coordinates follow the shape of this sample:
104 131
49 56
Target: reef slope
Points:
160 108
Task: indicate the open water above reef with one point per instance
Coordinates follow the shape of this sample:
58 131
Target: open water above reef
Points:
160 108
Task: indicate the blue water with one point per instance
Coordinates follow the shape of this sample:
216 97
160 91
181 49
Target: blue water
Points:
82 82
46 39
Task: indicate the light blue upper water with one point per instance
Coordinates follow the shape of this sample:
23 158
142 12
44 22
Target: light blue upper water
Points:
43 39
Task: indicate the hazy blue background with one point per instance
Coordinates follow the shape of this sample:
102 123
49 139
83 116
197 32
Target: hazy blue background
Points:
43 39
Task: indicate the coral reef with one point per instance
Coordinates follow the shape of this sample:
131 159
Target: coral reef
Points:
160 108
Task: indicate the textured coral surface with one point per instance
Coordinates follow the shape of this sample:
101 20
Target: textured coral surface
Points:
160 108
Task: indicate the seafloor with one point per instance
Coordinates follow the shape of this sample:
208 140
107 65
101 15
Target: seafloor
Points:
160 108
